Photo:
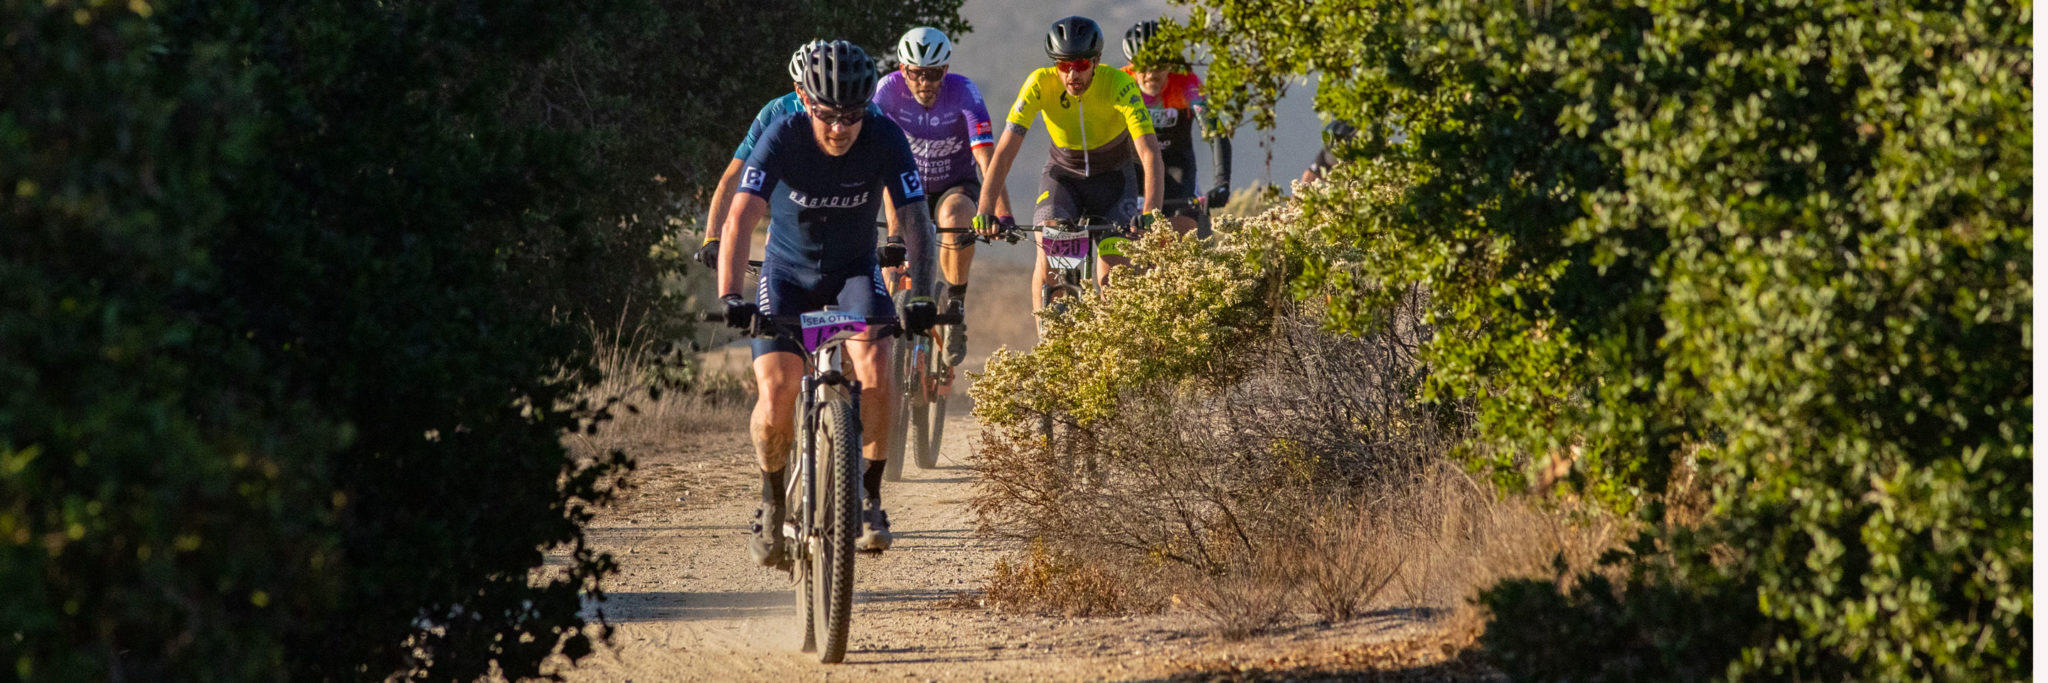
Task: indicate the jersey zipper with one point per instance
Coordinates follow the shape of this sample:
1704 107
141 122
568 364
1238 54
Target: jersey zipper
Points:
1087 160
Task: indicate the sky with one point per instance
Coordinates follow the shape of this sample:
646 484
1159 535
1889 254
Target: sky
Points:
1008 42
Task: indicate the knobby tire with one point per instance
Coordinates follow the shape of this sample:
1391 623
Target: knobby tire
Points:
839 508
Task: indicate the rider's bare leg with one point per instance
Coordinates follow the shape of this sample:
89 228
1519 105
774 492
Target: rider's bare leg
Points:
871 365
871 360
1040 273
1103 264
1183 224
956 210
778 375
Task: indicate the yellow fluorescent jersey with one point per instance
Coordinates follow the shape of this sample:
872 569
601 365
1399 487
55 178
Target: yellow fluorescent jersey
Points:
1094 132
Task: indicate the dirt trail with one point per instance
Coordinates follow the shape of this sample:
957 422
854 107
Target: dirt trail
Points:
689 605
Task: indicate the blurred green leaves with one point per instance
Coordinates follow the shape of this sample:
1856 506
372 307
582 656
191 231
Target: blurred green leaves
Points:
1781 246
251 252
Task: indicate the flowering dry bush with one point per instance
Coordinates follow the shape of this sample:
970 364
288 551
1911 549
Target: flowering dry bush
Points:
1204 428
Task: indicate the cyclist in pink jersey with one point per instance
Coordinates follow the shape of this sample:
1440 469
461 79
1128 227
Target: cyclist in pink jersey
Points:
951 137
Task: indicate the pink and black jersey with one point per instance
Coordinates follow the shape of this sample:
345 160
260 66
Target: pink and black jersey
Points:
942 138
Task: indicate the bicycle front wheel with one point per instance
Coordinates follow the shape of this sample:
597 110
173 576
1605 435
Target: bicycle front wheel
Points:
932 422
838 513
904 370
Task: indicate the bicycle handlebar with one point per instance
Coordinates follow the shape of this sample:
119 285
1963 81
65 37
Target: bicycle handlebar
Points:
769 326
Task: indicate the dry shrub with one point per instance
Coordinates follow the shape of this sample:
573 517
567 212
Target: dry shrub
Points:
1255 595
1051 581
1342 564
1243 457
654 391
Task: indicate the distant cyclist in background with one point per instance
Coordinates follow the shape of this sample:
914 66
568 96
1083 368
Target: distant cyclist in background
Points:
1099 128
1175 99
819 176
948 125
775 110
1335 134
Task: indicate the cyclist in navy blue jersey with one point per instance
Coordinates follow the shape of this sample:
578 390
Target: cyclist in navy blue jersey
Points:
775 110
820 176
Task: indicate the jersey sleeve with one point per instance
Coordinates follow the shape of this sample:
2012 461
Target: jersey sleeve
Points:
1028 104
1192 90
975 111
769 113
760 173
1130 101
899 168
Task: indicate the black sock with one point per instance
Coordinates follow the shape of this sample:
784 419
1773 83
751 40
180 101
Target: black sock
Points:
872 481
771 488
957 293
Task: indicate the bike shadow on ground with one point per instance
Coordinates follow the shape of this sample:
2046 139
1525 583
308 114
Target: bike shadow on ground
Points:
653 606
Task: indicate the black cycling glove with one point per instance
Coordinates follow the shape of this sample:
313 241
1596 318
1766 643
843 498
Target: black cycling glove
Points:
739 314
892 253
920 314
1219 196
708 255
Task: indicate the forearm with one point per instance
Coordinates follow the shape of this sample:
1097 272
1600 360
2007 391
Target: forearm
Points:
1148 158
984 158
920 239
721 202
889 215
1220 150
993 188
739 242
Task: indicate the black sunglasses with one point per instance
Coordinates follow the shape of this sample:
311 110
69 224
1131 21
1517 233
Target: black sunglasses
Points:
842 117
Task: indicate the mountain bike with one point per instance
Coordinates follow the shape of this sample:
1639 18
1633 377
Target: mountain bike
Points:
823 495
923 381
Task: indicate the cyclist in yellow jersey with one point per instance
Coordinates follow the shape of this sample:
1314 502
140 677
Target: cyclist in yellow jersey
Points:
1099 127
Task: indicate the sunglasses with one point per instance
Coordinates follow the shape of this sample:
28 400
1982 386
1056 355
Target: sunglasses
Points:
839 117
1072 65
924 75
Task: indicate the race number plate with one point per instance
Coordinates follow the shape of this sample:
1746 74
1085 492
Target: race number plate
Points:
824 327
1064 249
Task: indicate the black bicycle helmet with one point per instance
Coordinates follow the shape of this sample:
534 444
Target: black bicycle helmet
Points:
1074 38
1140 33
840 76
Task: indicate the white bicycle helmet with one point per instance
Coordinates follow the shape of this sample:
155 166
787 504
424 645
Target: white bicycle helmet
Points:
799 58
924 46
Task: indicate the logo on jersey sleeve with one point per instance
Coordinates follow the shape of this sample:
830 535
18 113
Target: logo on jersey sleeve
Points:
981 128
913 185
751 180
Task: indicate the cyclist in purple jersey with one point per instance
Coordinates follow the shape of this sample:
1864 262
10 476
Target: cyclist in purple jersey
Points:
950 134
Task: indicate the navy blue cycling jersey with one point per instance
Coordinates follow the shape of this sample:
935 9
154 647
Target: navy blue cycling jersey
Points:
776 110
822 208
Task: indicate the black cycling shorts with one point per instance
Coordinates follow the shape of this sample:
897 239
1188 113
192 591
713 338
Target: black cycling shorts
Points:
787 289
1114 196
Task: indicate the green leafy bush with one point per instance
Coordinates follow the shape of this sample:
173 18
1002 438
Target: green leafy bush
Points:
290 326
1784 245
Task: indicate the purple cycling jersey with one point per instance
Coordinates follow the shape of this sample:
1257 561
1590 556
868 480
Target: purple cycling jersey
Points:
944 137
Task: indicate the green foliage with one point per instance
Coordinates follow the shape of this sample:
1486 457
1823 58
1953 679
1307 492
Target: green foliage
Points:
1181 321
291 320
663 90
1788 242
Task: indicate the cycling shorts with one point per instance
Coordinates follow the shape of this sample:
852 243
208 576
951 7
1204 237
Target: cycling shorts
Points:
1113 196
789 290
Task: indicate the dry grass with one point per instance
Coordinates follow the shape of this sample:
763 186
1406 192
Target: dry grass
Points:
656 392
1048 581
1310 488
